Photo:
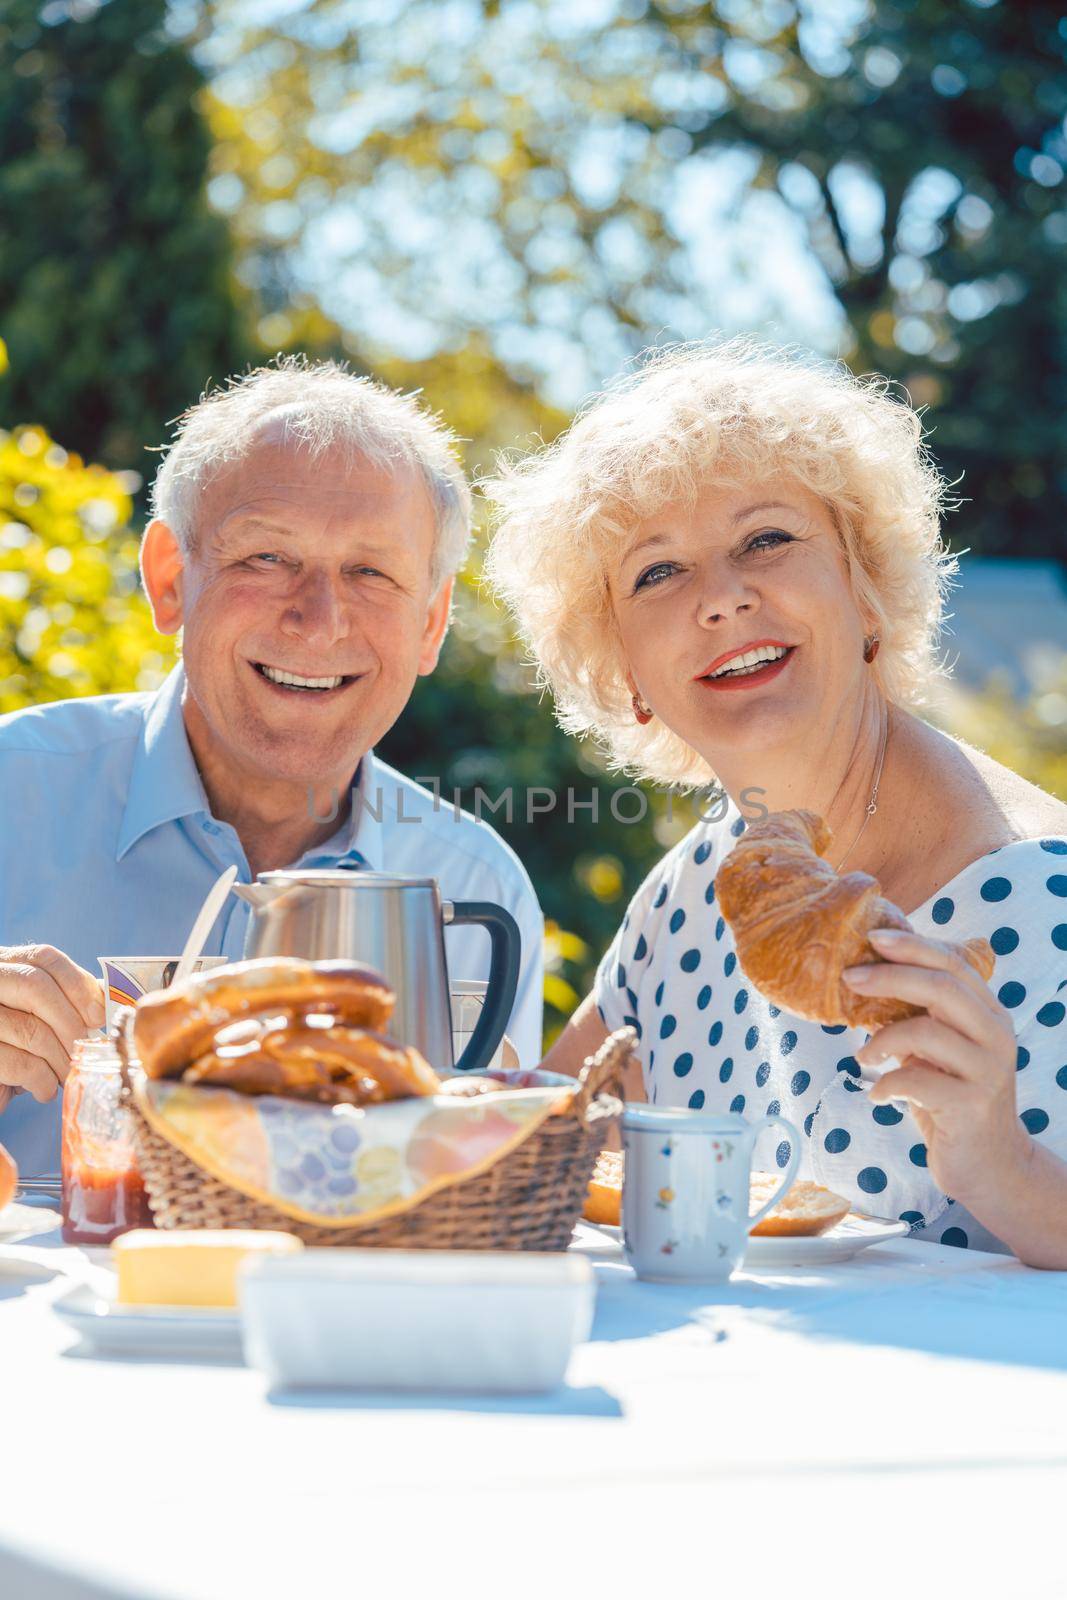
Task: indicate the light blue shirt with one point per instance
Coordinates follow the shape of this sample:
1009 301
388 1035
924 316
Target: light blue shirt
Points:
108 847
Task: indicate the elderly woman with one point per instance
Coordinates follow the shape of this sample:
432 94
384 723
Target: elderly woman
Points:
730 572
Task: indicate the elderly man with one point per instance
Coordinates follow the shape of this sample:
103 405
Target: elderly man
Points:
308 526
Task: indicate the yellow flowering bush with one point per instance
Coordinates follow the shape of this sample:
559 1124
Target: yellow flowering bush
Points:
73 620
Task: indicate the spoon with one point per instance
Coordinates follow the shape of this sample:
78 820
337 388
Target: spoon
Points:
205 921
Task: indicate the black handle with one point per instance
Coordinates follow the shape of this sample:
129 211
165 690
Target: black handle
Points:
504 964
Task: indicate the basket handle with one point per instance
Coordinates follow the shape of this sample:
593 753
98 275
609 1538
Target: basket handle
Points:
604 1069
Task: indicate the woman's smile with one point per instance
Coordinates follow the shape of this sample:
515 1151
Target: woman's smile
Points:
748 668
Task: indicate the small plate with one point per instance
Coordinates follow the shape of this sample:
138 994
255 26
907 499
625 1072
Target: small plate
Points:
191 1331
22 1222
851 1235
843 1241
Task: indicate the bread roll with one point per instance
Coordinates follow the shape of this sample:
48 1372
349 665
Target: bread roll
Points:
797 925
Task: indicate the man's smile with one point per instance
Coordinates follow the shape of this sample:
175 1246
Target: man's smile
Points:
285 682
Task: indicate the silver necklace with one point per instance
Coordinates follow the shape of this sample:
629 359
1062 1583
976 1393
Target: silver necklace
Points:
872 804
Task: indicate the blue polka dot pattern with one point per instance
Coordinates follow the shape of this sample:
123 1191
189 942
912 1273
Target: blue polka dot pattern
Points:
995 889
955 1236
737 828
696 1100
723 1040
783 1152
632 1022
773 1107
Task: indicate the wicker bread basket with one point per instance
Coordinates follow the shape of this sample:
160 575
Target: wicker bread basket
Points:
529 1200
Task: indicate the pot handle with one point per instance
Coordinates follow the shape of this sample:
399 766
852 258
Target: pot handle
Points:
504 966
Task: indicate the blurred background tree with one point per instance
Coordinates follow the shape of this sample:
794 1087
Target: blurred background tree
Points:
500 204
117 299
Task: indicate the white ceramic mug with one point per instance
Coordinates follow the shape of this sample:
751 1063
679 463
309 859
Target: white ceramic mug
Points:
685 1195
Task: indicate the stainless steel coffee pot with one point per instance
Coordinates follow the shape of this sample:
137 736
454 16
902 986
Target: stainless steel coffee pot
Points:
395 925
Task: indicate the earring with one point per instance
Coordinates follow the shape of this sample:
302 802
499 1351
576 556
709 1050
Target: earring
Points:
641 711
870 647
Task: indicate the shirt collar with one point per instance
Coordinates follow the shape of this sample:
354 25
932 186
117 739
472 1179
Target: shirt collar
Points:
164 783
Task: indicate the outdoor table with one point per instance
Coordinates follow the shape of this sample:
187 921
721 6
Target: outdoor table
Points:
893 1425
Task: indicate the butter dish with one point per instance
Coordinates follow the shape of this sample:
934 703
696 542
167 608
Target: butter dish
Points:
415 1320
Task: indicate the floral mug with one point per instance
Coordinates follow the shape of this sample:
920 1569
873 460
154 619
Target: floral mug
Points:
685 1194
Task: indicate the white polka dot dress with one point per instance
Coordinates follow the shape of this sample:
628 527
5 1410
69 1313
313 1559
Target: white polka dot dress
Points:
709 1040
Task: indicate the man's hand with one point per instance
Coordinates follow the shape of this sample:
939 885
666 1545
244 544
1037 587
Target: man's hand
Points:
46 1002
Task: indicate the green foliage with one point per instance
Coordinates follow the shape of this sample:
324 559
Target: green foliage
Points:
571 184
72 618
116 298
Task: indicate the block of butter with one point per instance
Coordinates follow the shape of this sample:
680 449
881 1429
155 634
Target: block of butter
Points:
188 1266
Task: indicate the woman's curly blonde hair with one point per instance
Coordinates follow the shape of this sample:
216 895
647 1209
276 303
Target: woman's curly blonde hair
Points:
715 413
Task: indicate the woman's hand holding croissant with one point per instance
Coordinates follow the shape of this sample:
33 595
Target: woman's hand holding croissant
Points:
957 1067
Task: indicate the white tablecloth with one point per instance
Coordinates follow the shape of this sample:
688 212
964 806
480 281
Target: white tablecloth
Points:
892 1426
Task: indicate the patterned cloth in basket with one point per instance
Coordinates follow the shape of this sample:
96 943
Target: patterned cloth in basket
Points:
336 1164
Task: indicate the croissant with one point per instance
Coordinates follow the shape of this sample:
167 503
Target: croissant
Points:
797 924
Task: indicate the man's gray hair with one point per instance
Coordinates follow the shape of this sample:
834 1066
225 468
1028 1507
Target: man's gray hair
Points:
322 406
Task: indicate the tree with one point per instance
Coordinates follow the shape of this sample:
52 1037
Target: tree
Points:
572 183
116 299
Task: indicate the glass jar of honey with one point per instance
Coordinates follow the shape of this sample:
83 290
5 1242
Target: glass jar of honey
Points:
103 1192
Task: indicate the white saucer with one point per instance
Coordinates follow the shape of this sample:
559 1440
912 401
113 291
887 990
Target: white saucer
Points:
191 1331
843 1241
851 1235
22 1222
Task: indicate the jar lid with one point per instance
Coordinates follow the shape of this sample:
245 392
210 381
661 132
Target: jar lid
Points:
680 1119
